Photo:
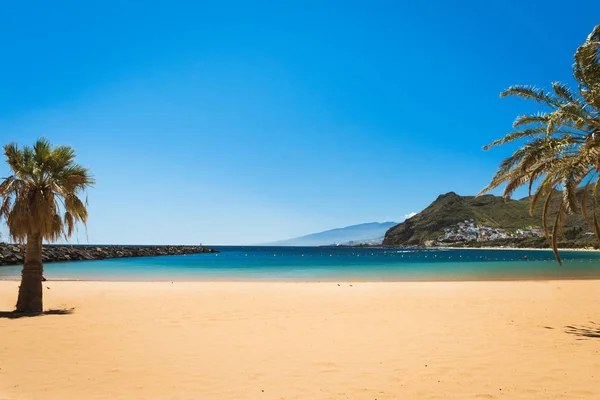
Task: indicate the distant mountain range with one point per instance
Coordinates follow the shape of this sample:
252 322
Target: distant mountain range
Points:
492 211
371 233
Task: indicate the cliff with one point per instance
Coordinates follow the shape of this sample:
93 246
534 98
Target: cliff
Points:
491 211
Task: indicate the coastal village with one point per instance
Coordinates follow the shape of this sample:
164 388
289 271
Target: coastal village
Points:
469 231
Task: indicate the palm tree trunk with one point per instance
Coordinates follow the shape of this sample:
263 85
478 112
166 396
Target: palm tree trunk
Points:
30 291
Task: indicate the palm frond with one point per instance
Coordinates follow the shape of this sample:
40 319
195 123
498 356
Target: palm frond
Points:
563 147
530 92
563 92
42 194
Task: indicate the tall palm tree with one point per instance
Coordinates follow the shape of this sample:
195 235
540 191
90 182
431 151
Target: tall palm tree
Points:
40 202
563 147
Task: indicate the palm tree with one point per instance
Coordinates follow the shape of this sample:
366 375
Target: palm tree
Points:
40 202
563 148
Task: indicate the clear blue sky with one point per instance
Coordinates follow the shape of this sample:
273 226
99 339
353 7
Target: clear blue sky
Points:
244 122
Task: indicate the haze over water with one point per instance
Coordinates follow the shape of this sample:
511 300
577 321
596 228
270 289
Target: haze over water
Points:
237 263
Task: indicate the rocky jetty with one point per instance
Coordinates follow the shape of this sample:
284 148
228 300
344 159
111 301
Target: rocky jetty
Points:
11 254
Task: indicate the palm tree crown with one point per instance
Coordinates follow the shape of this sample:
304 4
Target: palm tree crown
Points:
563 148
41 195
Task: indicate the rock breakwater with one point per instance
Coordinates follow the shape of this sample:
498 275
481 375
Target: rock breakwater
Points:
11 254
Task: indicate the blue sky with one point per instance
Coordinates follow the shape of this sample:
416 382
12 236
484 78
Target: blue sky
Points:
244 122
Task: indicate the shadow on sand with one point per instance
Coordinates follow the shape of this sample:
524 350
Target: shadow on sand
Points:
584 331
14 315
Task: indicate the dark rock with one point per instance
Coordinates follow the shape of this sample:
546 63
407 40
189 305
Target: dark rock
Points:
51 253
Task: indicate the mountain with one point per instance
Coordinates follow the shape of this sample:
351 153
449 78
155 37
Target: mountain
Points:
491 211
355 233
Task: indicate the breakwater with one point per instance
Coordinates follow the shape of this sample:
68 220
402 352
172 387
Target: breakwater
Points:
12 254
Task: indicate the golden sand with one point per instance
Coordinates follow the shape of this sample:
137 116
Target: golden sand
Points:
443 340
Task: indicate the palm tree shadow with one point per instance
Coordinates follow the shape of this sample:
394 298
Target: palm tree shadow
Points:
15 315
584 331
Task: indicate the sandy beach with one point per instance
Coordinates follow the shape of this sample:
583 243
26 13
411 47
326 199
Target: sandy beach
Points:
455 340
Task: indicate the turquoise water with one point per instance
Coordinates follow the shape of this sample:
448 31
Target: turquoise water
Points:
330 264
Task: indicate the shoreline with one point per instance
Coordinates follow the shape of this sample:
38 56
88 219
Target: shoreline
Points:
322 281
591 250
588 249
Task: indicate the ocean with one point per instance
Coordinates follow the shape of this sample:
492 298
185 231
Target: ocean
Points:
297 264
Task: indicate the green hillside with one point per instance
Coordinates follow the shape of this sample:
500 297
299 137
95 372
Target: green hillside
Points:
488 210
